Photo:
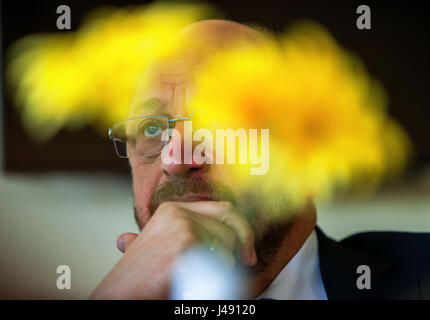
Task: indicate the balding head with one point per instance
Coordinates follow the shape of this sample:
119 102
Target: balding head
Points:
195 44
219 33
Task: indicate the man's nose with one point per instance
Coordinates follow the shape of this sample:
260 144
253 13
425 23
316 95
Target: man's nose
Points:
185 164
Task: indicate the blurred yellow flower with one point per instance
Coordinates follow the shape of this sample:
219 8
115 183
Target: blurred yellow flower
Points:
326 115
72 79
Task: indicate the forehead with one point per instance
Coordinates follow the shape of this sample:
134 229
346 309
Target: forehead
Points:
168 82
162 98
164 89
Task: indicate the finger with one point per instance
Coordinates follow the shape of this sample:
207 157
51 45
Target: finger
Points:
225 235
125 240
220 248
225 212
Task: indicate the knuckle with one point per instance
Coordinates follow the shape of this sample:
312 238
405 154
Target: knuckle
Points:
227 205
184 225
169 209
164 205
188 238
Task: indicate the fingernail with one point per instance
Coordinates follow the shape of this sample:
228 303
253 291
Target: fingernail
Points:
121 245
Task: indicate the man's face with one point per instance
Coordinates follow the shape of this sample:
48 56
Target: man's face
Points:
167 96
155 181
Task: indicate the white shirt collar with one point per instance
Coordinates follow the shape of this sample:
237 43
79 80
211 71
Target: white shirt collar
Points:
301 278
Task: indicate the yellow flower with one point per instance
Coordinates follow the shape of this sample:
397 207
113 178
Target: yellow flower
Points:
326 115
72 79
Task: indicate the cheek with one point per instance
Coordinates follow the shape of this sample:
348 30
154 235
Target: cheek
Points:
146 178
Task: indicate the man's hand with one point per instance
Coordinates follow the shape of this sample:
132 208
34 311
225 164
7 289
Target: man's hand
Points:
143 272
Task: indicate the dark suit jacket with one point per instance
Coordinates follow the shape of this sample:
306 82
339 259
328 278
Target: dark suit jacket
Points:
399 264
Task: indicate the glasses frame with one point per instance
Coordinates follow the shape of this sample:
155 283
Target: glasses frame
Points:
169 121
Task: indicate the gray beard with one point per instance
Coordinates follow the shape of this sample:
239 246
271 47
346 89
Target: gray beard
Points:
269 232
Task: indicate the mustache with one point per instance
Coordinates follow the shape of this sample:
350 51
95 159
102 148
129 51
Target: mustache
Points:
178 187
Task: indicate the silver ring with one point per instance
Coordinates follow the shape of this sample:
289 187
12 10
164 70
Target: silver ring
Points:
214 244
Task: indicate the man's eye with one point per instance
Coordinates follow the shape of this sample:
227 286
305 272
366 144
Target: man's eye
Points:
152 130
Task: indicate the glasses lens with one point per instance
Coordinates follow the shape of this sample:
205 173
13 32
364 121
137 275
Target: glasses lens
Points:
139 137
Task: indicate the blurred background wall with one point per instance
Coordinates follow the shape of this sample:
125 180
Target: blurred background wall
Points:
66 201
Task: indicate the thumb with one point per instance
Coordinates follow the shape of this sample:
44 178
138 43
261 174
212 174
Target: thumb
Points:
125 240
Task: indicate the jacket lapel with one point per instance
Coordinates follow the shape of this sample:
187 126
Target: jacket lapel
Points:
338 265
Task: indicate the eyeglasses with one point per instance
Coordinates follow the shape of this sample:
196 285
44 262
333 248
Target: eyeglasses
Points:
142 136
